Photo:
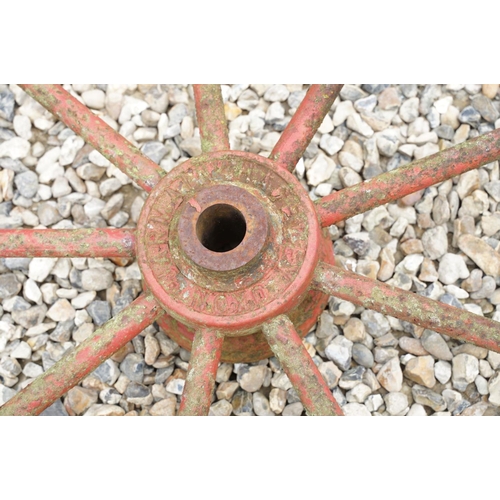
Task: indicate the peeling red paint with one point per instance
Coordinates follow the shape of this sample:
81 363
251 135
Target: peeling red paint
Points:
120 152
420 174
304 124
67 242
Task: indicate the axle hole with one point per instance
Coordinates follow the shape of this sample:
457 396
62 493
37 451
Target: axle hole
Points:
221 228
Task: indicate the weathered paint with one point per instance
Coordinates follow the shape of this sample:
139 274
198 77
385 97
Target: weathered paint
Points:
396 184
67 242
85 358
236 302
200 379
408 306
303 125
211 118
98 133
253 348
300 368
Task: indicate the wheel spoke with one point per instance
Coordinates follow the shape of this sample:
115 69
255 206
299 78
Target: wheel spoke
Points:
409 178
85 358
200 380
304 124
67 243
408 306
211 118
96 132
300 368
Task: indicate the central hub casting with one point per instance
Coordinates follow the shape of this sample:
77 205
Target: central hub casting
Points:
228 241
223 228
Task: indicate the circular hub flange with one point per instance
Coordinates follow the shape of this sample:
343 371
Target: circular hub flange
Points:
228 240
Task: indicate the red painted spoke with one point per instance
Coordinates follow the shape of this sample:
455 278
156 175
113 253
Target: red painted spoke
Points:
408 306
96 132
200 380
300 368
67 243
211 118
85 358
304 124
408 179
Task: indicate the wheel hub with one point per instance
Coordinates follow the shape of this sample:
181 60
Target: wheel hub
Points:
228 240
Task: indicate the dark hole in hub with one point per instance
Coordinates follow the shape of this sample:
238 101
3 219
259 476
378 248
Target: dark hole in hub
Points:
221 228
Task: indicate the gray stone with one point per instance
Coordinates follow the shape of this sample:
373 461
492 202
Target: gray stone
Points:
434 344
293 410
133 367
30 317
221 408
320 170
481 253
5 394
96 279
32 370
485 107
351 378
409 109
426 397
9 286
61 310
98 410
390 375
494 390
452 267
107 372
138 394
465 370
396 403
375 323
22 351
356 410
339 351
261 405
99 311
251 378
7 103
55 410
470 116
48 213
27 184
154 150
362 355
435 242
352 93
330 373
276 93
242 403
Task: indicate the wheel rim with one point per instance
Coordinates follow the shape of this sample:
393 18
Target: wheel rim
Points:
218 322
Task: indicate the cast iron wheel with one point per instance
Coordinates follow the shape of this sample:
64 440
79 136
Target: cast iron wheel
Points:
235 258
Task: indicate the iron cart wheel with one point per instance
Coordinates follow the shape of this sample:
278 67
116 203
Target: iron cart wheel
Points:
235 259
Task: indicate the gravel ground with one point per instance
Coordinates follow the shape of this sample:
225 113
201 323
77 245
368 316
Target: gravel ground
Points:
374 364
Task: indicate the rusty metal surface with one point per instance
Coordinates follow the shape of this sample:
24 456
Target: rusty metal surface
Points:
96 132
211 118
304 124
410 178
200 379
253 348
408 306
300 368
67 243
239 301
223 228
85 358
